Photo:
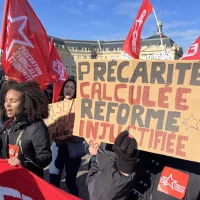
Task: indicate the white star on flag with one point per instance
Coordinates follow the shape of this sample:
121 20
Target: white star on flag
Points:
169 181
14 41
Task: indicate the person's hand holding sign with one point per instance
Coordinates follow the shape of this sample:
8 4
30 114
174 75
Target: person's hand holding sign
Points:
93 151
14 161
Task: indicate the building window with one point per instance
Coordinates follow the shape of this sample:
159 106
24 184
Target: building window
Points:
105 57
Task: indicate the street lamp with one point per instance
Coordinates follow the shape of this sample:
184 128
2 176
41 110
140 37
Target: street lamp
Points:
93 52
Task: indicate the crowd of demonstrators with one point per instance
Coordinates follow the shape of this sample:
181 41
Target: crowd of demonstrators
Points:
122 172
117 171
67 152
24 137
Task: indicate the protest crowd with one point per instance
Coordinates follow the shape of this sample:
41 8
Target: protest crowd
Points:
35 88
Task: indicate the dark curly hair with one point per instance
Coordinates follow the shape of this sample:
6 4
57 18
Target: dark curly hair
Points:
35 101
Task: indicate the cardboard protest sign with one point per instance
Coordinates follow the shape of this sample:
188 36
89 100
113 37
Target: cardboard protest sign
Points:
61 119
156 101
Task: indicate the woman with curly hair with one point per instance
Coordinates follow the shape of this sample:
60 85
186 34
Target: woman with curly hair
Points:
24 139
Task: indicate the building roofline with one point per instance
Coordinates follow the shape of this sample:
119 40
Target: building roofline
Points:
86 41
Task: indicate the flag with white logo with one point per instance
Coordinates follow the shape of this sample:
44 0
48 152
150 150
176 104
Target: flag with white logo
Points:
57 71
193 53
24 43
132 43
173 182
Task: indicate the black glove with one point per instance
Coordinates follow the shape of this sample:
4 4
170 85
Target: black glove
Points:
126 150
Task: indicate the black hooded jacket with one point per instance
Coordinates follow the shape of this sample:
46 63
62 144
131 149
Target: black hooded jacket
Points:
34 145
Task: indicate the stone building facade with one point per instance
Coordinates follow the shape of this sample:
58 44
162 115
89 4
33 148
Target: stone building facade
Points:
152 48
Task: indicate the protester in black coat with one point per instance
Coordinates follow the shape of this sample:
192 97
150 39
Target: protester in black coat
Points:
25 138
116 175
62 147
107 176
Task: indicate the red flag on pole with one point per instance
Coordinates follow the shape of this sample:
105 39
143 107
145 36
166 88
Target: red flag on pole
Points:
57 71
193 53
132 43
25 43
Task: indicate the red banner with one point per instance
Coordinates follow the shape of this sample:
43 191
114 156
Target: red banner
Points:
25 43
193 53
19 183
57 71
132 43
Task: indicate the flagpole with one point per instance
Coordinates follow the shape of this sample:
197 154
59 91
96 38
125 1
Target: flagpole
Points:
161 40
6 6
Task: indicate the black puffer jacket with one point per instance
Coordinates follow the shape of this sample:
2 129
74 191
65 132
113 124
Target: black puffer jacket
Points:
34 145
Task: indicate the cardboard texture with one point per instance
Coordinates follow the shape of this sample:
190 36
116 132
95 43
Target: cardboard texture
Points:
156 101
61 119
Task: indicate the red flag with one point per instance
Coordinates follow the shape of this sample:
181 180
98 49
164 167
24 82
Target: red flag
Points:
19 183
24 42
132 43
57 71
193 53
